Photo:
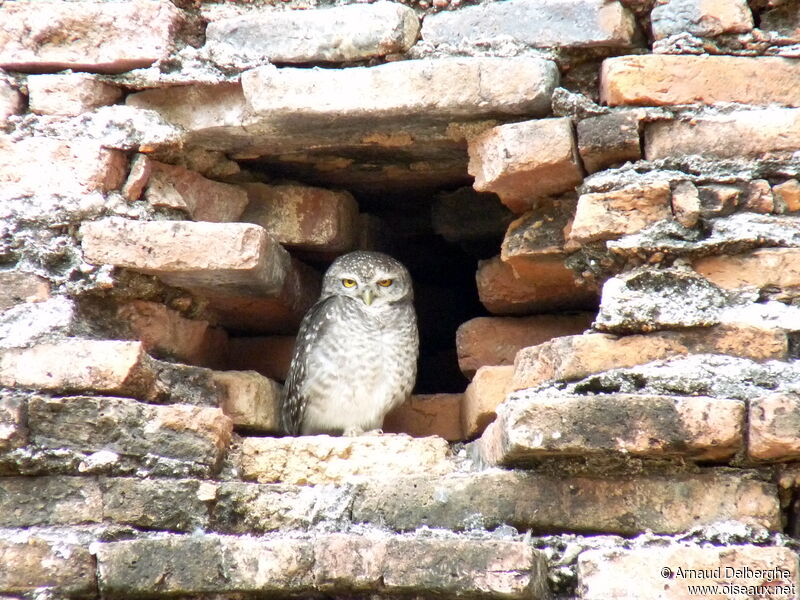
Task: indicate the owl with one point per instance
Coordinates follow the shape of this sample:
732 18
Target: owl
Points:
355 358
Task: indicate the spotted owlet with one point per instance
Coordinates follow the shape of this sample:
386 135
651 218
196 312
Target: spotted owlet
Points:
355 358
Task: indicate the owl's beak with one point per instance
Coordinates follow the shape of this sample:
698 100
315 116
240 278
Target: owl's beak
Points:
368 296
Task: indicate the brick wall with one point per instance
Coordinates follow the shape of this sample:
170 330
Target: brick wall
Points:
598 201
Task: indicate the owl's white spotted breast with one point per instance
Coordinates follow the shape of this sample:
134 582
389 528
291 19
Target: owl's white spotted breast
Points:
358 365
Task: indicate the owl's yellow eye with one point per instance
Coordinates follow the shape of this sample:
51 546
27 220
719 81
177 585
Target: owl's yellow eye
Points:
348 283
385 282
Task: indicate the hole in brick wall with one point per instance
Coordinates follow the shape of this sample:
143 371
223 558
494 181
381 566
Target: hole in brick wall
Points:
411 221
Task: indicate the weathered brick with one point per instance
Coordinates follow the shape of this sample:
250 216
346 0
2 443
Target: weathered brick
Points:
13 430
310 460
537 426
340 34
625 504
17 287
167 504
69 94
773 424
608 140
588 23
672 572
138 176
574 357
304 217
427 414
521 162
12 102
484 393
703 18
254 508
220 564
737 134
44 165
502 292
334 563
718 199
105 37
270 356
236 257
536 235
787 195
758 197
164 332
201 199
686 203
496 340
92 423
101 366
443 88
51 500
251 400
33 564
667 79
257 313
757 268
609 215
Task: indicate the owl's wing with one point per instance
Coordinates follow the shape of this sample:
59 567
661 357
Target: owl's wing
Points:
312 328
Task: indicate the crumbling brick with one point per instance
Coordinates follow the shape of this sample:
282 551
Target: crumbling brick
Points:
201 199
105 37
609 139
17 287
340 34
537 426
521 162
304 217
787 195
703 18
587 23
69 94
757 268
773 423
39 165
483 395
12 101
251 400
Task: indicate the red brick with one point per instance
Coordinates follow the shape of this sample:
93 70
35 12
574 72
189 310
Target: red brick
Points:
103 37
758 197
574 357
552 286
430 414
105 366
609 215
270 356
141 167
496 340
667 79
201 199
485 392
672 571
38 165
737 134
250 400
773 425
757 268
163 331
304 217
537 426
231 257
521 162
70 94
17 287
787 195
686 203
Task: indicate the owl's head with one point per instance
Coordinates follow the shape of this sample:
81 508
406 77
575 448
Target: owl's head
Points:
374 279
